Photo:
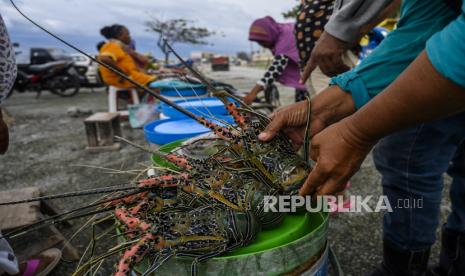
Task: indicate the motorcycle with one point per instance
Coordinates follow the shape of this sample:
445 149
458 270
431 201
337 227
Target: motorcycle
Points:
59 77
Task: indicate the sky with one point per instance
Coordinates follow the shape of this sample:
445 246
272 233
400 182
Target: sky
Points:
79 21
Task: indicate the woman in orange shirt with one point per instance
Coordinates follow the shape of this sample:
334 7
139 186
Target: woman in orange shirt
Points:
117 53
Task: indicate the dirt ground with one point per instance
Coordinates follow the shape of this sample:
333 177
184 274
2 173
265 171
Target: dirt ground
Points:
47 151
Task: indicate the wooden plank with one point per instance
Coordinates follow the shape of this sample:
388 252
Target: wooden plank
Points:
114 147
105 131
91 133
48 208
13 216
102 117
69 252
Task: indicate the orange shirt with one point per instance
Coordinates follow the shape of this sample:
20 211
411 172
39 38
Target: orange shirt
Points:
114 49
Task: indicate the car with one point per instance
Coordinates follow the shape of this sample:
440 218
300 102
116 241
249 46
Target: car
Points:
87 68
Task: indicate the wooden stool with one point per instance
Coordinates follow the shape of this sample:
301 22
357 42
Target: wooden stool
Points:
101 129
13 217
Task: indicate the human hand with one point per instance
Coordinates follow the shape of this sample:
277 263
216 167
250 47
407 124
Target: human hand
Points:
292 121
249 98
4 135
327 55
339 152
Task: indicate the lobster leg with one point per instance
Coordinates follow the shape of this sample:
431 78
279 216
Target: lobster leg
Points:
130 221
130 199
134 255
222 132
166 180
178 160
242 120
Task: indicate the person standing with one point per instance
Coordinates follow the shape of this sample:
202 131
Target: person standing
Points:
411 161
279 39
311 20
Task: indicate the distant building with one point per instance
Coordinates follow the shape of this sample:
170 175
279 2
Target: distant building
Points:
201 56
262 55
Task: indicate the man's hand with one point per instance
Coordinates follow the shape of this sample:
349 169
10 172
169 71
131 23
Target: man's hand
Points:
327 55
292 121
4 135
338 151
328 107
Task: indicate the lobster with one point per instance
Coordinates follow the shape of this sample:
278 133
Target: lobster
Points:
199 233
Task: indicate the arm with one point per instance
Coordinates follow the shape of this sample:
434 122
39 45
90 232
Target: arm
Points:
347 25
7 79
349 17
275 70
327 108
340 149
140 59
109 61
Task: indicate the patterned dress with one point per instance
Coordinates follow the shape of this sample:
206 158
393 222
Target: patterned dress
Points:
8 68
311 20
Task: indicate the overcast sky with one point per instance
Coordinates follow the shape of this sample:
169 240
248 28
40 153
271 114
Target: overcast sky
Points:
79 21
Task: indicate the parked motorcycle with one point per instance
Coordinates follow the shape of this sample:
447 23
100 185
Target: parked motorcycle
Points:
59 77
46 69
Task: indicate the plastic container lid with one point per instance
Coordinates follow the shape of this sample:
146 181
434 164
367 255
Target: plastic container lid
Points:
165 131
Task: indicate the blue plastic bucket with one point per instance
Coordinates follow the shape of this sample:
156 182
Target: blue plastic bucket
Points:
166 131
200 107
175 88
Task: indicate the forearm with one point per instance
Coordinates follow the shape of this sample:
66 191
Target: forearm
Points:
141 59
274 71
419 95
350 17
110 62
332 105
395 4
256 90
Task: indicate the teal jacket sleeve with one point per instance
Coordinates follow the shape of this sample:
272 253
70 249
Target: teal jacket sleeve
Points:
446 51
420 21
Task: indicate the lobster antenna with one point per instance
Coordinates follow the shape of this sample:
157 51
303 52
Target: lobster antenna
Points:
201 77
122 75
196 73
75 194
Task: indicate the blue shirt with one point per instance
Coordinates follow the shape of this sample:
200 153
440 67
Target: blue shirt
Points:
446 50
419 21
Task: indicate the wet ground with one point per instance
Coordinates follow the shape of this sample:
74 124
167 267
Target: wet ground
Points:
47 151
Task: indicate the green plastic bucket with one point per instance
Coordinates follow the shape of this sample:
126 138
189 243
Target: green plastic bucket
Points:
274 252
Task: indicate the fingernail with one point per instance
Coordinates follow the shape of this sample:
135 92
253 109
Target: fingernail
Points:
263 136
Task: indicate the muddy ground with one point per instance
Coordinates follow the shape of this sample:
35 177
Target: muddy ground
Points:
47 151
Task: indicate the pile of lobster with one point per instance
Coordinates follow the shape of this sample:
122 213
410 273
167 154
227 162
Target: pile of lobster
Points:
210 204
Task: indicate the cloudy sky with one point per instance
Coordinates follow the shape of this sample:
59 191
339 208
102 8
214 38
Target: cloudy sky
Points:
79 21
